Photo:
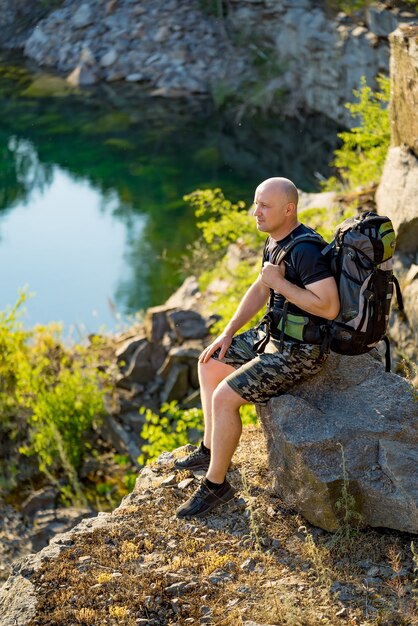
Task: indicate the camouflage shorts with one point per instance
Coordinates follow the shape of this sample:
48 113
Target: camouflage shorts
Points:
259 377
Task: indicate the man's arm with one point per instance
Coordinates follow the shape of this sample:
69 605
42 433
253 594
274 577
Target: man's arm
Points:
319 298
254 299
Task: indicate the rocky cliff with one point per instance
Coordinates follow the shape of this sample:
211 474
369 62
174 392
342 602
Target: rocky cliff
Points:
272 47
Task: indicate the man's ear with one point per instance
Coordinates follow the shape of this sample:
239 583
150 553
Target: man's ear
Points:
291 208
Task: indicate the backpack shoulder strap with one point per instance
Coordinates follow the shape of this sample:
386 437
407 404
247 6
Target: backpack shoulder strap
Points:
278 257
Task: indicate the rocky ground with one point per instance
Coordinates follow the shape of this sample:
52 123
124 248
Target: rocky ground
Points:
254 562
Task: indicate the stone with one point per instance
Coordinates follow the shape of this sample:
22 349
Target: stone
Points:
248 565
120 438
187 324
109 58
125 351
41 499
252 623
134 78
380 20
186 295
161 34
183 484
187 355
83 75
140 369
220 576
169 481
397 195
83 16
351 406
177 383
18 603
156 323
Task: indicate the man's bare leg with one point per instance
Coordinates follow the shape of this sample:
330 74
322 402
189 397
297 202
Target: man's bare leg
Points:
226 430
211 374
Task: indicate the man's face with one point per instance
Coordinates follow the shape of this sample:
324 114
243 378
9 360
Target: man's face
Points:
271 209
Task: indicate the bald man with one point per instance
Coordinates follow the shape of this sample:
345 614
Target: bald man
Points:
261 363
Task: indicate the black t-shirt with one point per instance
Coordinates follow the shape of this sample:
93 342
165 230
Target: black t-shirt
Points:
304 265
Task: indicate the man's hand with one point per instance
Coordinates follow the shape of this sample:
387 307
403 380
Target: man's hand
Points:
271 274
223 342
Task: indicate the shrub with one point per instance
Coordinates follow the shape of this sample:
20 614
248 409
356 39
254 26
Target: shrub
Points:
360 159
169 429
59 392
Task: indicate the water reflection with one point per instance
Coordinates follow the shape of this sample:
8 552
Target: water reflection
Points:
96 181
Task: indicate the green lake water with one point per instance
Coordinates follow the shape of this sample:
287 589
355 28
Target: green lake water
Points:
92 218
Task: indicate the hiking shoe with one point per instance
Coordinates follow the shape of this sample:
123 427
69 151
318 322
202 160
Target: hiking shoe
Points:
198 459
204 500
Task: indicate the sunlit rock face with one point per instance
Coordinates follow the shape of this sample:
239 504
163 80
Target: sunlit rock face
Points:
351 425
397 194
398 191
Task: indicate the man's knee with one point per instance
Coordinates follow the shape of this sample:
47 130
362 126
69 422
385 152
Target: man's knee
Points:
225 396
213 371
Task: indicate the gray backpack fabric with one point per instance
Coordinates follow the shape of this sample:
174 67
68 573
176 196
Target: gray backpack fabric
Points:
361 257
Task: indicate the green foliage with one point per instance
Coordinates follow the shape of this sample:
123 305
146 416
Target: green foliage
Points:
14 353
58 392
361 158
248 415
351 6
173 427
325 220
222 222
169 429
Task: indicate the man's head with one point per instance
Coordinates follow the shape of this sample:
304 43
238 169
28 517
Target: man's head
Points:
275 207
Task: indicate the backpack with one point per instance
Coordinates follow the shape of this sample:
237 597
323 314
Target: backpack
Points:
361 257
361 260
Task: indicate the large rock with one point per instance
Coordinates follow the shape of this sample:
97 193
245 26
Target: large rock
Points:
352 408
404 87
397 195
398 191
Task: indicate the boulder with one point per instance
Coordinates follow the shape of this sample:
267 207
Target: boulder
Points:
126 350
156 323
120 438
83 75
380 21
186 354
404 87
397 195
177 383
398 190
187 324
352 424
83 17
140 369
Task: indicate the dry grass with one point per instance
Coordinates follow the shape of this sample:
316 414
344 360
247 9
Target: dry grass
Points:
297 575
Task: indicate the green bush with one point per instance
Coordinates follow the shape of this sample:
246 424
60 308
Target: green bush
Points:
360 159
57 392
169 429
